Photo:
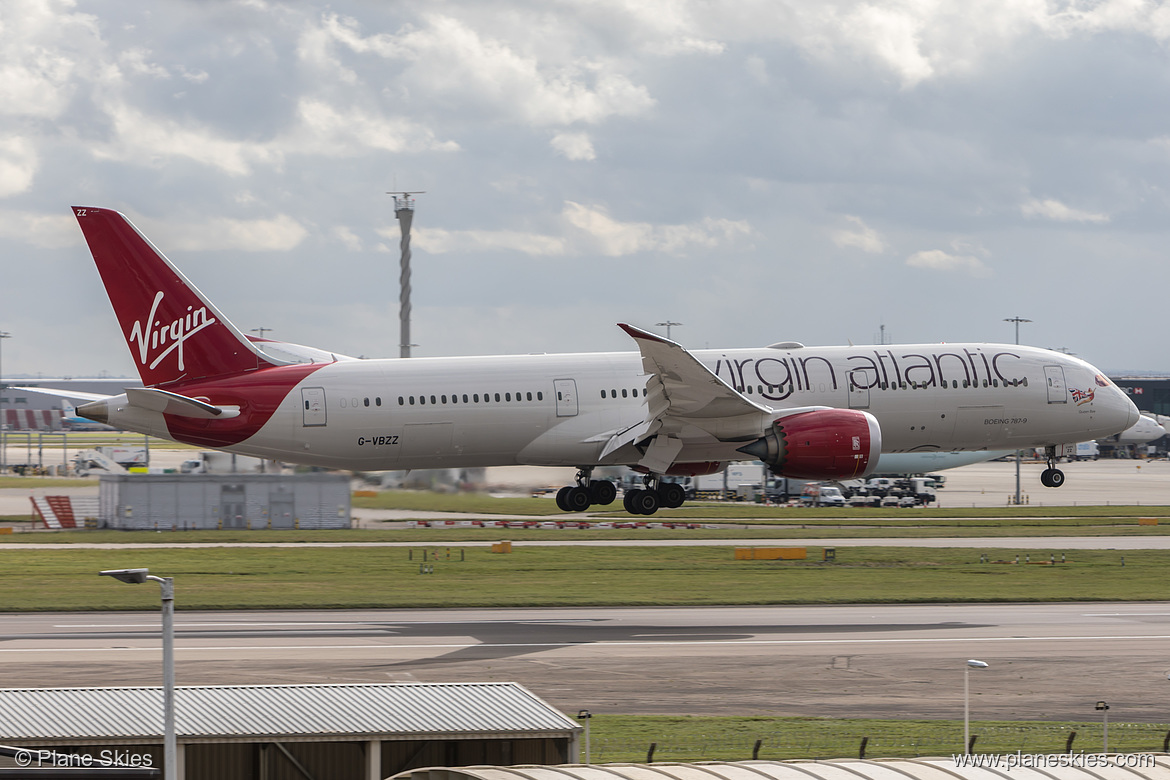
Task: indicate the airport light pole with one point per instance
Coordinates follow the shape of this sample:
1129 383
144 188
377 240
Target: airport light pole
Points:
586 715
1103 708
167 585
668 325
972 664
1017 320
3 424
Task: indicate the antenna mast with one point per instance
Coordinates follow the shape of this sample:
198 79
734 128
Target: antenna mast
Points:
404 212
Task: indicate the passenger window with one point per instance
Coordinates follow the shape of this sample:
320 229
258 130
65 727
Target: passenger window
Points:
366 401
539 396
497 397
507 396
624 393
530 396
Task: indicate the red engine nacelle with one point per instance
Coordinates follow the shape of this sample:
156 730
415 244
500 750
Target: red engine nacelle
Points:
823 444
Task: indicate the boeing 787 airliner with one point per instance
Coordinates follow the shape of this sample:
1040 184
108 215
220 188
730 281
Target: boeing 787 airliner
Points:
807 412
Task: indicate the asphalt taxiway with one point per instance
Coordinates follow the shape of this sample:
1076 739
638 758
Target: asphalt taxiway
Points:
1047 661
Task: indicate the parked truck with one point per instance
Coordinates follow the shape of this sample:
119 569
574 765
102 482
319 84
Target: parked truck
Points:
108 459
739 481
215 462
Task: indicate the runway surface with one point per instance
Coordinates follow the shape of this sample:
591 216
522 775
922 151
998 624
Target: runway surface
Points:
1046 661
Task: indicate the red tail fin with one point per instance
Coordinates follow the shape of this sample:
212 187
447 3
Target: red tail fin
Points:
174 333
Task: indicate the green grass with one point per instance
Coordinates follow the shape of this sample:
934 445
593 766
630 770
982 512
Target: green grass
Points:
621 738
485 504
253 578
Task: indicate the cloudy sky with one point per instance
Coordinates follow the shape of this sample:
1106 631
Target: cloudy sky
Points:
757 170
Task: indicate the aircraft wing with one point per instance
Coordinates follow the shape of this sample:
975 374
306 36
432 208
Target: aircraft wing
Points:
682 395
70 395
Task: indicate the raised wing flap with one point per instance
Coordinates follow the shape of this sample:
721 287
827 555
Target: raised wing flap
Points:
180 405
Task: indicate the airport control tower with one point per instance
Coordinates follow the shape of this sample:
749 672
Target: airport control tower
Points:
404 211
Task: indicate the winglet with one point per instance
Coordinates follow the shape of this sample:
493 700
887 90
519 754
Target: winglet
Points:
638 333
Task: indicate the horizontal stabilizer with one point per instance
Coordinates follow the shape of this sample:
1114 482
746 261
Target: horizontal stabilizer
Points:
179 405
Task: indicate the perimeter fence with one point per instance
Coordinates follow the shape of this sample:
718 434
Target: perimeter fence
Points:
844 740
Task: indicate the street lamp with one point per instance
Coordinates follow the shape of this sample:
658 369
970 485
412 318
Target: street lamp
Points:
1017 320
972 664
1104 710
585 715
167 585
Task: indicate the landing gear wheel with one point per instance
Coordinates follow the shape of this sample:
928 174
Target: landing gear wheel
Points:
627 500
671 495
561 495
577 499
643 502
1052 478
602 491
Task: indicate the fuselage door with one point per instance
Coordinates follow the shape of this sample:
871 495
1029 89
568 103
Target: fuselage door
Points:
1055 379
566 390
313 399
860 381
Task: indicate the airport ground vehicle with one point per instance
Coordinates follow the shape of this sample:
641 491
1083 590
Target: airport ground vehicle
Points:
815 494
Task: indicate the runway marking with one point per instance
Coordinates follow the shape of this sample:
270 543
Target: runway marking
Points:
463 646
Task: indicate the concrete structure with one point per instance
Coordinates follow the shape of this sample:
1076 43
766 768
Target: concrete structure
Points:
224 501
1043 767
291 732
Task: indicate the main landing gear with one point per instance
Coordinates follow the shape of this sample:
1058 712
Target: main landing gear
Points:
1051 477
637 501
647 500
586 493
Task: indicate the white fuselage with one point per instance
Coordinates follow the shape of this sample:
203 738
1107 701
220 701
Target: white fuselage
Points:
560 410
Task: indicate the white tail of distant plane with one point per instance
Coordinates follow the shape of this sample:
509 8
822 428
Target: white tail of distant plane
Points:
809 412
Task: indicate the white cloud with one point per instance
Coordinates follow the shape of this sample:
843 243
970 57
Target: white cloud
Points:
144 139
438 241
1055 210
574 146
43 49
280 233
757 68
45 231
348 238
451 60
861 236
18 165
616 239
326 129
135 62
602 234
938 260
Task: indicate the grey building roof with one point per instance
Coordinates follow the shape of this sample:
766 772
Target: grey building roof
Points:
1125 767
232 712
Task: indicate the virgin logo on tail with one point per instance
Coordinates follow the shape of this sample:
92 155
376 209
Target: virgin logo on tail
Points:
152 334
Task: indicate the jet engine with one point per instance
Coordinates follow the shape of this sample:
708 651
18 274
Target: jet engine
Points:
820 444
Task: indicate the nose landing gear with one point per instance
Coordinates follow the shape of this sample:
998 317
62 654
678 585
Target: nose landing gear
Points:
1051 477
